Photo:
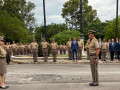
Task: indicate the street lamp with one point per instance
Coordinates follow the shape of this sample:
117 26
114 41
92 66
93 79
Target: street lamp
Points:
45 27
117 19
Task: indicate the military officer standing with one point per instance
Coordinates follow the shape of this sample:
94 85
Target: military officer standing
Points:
104 49
94 53
29 49
21 49
25 49
54 47
44 46
64 48
14 48
34 50
87 49
18 49
3 68
80 47
69 49
60 48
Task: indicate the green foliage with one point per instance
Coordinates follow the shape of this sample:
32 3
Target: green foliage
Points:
71 13
110 29
21 10
52 29
98 27
63 36
12 28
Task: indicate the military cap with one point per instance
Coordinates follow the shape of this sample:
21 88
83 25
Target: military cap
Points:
91 32
1 38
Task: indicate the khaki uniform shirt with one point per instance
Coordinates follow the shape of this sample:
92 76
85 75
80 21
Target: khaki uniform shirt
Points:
2 52
21 47
80 44
69 44
14 46
61 46
34 45
7 47
104 46
64 46
93 46
44 44
29 46
54 45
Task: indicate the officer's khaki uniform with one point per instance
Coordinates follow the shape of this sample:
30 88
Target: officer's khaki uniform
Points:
25 49
64 49
54 51
80 50
60 48
34 47
94 66
104 48
3 69
21 47
87 49
29 51
69 49
44 46
18 49
14 49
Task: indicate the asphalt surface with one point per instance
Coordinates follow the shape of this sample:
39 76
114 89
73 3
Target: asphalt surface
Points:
61 77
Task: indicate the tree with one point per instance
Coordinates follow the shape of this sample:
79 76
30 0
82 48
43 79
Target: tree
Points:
110 29
12 28
63 36
52 29
71 13
98 27
22 10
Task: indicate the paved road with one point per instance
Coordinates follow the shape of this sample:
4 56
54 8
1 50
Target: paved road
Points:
61 77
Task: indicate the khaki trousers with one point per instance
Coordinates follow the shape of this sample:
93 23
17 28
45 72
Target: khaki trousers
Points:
54 53
80 53
14 52
34 51
70 53
94 69
104 54
45 53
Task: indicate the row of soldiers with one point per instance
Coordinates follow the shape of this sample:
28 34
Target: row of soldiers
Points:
27 49
108 50
17 49
55 47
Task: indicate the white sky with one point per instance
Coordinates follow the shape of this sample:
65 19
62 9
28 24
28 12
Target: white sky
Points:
106 10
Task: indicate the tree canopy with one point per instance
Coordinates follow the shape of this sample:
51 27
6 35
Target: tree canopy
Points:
63 36
71 13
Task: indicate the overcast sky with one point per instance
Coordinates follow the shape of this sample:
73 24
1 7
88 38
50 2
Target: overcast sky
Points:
106 10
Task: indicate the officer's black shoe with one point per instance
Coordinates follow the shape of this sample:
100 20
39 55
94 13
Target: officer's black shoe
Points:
92 84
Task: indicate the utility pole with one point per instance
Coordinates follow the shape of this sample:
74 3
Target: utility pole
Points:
45 27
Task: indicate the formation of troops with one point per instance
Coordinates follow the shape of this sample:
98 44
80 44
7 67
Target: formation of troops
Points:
108 50
95 48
